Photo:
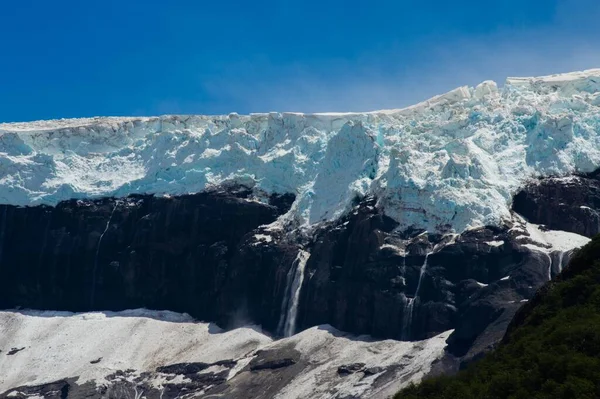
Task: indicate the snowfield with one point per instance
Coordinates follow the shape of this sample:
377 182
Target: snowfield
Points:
91 346
446 164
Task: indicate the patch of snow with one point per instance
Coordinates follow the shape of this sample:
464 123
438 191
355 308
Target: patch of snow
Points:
505 278
393 248
263 238
495 243
481 284
554 240
329 349
62 344
456 159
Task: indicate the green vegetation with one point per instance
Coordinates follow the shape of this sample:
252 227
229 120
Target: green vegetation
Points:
551 350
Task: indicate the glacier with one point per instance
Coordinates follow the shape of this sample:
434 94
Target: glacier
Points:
448 164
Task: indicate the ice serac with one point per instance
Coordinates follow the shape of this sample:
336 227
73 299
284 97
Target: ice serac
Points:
449 163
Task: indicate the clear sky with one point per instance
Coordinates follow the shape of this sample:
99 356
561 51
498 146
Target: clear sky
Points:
75 58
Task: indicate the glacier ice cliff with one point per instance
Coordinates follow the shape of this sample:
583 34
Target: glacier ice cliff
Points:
447 164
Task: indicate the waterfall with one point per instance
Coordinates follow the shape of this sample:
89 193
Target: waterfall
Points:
407 319
291 300
93 290
549 266
410 303
560 261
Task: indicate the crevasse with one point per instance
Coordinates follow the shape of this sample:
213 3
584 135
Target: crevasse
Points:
446 164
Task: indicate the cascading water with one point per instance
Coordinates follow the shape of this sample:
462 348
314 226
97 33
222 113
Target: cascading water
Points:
410 303
560 261
289 305
549 266
561 256
93 290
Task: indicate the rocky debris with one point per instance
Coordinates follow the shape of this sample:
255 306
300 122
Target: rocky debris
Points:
183 368
96 361
14 351
193 368
274 359
372 370
122 384
272 364
53 390
209 379
120 375
347 369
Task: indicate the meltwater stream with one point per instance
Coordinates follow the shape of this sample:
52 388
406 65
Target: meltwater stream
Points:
562 258
410 303
291 300
93 290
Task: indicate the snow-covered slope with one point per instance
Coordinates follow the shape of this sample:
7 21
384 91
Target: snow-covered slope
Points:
93 346
452 162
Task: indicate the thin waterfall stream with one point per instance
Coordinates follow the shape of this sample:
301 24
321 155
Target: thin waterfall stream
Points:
559 264
93 290
549 266
410 304
560 261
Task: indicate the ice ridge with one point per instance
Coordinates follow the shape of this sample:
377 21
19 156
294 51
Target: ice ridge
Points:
447 164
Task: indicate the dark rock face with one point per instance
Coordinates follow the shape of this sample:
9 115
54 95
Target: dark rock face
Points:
195 254
361 273
571 204
207 255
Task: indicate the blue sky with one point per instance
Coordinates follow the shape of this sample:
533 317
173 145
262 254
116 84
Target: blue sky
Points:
75 58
